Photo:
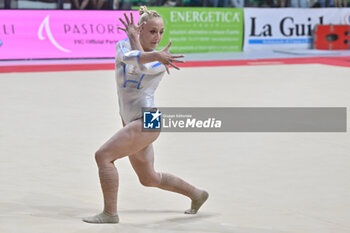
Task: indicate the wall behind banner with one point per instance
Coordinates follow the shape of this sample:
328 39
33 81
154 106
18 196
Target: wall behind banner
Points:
42 34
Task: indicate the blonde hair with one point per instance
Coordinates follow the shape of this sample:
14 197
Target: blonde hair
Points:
146 14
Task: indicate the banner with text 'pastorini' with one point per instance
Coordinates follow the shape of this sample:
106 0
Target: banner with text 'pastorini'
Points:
43 34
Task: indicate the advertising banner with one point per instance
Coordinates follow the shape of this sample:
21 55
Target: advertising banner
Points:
202 29
43 34
284 28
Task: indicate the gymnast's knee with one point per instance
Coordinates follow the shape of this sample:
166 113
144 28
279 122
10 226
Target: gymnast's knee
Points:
151 181
102 158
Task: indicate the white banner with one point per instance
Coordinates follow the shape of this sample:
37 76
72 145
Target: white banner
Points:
284 28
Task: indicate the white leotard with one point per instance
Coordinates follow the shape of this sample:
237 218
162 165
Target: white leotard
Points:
136 83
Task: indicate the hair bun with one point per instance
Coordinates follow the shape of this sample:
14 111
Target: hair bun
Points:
143 9
146 14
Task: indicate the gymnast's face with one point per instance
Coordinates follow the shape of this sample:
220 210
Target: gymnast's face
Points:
151 34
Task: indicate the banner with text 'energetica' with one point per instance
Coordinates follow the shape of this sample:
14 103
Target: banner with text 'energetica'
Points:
196 30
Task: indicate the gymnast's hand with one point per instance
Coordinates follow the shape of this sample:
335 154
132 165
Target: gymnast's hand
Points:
166 58
131 29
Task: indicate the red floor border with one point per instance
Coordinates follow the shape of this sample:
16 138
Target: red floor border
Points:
334 61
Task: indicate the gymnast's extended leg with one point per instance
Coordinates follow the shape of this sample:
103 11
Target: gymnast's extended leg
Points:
143 164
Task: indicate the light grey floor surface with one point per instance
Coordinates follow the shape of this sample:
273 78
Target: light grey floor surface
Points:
52 123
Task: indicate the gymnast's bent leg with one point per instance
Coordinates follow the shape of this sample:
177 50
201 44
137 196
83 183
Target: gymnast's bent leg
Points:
128 140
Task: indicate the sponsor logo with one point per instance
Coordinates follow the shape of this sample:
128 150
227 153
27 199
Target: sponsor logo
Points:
347 19
204 16
287 27
84 29
7 29
45 25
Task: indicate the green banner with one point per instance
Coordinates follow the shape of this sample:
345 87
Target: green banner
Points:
196 30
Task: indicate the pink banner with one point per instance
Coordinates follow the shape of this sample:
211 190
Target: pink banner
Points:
40 34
